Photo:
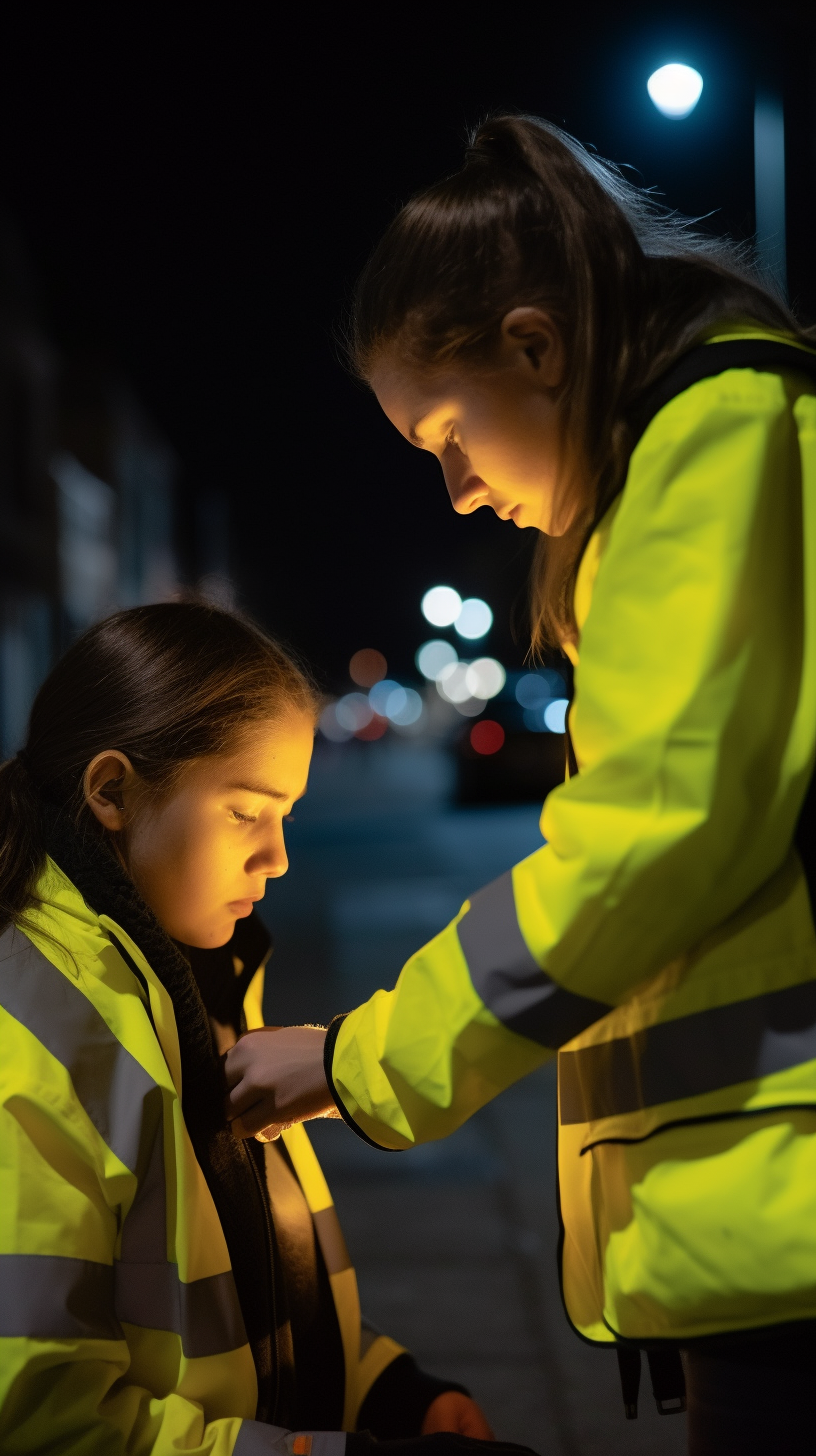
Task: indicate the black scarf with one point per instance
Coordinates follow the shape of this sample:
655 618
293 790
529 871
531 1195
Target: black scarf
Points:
232 1173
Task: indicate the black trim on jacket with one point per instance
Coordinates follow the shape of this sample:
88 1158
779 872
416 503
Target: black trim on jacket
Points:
328 1057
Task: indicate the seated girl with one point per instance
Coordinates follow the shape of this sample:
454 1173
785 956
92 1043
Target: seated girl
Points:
165 1286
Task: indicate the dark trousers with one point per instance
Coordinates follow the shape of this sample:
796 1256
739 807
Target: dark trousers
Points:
753 1397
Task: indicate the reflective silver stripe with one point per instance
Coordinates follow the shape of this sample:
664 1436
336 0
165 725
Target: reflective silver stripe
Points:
205 1312
148 1290
508 978
110 1084
124 1105
721 1047
47 1297
256 1439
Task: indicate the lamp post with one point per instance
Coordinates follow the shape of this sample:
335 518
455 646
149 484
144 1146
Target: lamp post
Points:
769 184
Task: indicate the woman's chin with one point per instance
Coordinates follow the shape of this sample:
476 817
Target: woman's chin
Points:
211 937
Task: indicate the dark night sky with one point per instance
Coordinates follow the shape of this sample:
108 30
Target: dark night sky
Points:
197 192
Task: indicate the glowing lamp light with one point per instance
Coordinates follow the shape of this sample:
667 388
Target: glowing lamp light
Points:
367 667
675 90
487 736
441 606
555 715
433 656
474 620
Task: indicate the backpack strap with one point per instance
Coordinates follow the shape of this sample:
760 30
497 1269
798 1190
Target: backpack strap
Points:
703 362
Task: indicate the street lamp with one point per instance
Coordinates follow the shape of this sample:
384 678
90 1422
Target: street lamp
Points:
675 90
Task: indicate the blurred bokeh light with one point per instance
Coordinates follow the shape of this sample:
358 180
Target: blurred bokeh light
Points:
474 620
441 606
367 667
487 736
381 694
433 656
451 683
404 708
555 715
354 712
372 730
485 678
331 728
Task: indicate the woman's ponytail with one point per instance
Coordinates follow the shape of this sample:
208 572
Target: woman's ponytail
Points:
22 845
534 218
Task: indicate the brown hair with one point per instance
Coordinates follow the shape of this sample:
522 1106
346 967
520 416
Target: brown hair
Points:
532 217
164 684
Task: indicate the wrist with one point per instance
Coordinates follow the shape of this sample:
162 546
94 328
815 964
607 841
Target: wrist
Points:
309 1094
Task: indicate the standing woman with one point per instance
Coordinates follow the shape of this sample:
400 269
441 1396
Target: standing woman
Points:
523 320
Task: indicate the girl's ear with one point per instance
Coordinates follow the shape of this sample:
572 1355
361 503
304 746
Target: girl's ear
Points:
530 336
107 784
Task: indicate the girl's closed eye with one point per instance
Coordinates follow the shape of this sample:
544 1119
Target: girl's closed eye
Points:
244 818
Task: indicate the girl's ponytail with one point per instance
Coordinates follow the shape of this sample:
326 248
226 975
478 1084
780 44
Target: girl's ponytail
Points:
22 847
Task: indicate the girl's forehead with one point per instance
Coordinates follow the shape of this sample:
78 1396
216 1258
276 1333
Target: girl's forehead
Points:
273 757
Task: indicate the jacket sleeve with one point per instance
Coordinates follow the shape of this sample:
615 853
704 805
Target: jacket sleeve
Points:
693 723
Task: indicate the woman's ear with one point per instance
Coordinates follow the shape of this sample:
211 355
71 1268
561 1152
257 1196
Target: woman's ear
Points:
531 339
107 784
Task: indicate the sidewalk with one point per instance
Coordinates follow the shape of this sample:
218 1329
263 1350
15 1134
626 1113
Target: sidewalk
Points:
454 1243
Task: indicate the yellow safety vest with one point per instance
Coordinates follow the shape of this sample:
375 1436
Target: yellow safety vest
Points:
661 941
120 1327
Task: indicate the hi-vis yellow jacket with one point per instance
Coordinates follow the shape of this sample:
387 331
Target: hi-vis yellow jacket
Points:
120 1329
662 939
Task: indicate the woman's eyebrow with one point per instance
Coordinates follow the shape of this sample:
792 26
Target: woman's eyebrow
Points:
258 789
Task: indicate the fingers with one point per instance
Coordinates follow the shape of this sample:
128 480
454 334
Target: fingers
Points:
252 1112
276 1076
242 1055
269 1134
457 1413
474 1424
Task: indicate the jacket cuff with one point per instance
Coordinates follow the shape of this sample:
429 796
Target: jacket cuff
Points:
397 1402
256 1438
328 1057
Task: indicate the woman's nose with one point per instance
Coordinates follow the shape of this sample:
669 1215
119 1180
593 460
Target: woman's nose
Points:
466 489
272 860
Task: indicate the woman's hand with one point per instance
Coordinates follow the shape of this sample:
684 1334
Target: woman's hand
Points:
276 1078
453 1411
